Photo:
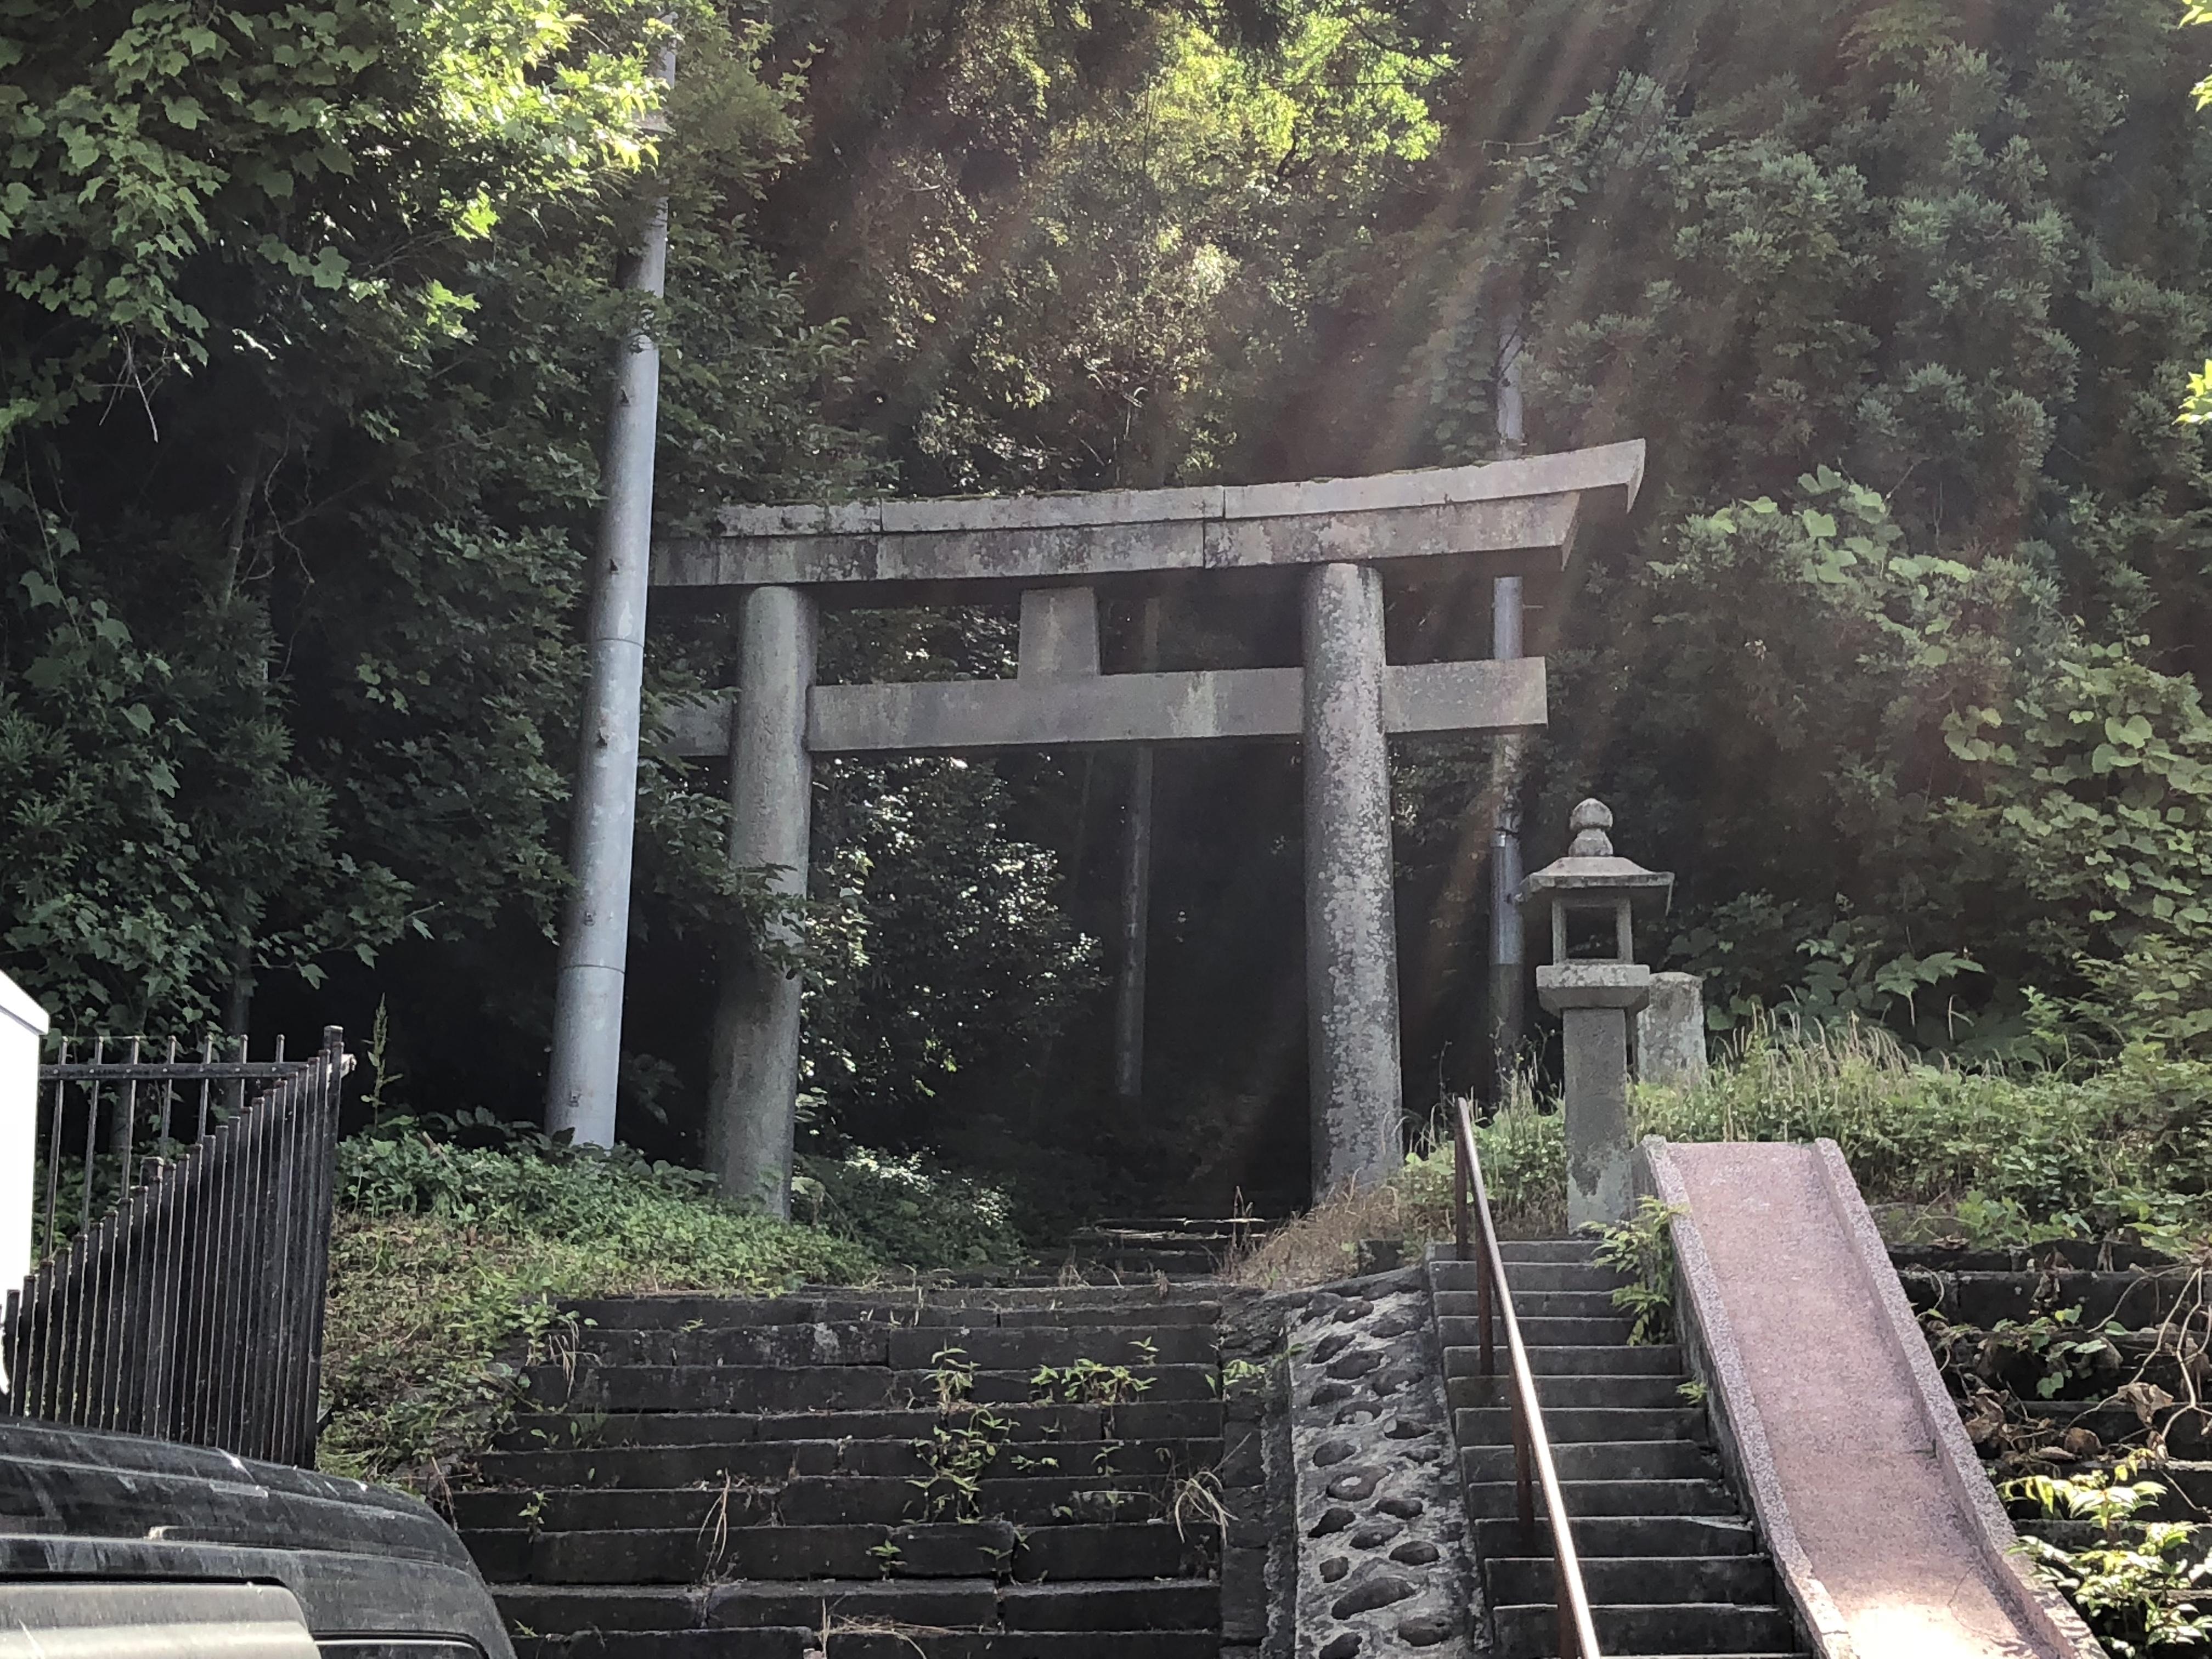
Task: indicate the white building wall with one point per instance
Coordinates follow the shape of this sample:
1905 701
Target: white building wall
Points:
22 1025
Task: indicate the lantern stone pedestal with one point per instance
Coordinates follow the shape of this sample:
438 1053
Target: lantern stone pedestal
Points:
1594 1001
1594 995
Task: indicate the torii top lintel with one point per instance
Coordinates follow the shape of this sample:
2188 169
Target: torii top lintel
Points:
1510 517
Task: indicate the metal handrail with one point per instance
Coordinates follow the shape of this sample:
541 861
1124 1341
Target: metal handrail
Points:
1532 1447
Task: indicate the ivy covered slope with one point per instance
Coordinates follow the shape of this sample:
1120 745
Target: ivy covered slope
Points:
451 1259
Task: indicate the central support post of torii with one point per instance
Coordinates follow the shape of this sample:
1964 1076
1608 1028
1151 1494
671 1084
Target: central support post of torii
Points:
1337 540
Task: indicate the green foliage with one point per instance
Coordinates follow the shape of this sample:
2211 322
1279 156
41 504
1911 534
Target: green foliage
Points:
1088 1382
1906 371
2121 1150
1643 1247
447 1262
305 331
2138 1582
956 954
2057 1344
962 1445
911 1210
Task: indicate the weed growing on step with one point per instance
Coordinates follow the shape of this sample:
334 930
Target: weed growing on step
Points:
962 1446
1643 1247
1088 1383
714 1527
1198 1499
1236 1374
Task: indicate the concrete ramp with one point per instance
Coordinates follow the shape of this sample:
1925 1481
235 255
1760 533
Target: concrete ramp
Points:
1887 1533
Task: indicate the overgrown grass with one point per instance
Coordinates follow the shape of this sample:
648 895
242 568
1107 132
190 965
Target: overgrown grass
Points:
444 1260
1988 1156
1525 1164
1993 1156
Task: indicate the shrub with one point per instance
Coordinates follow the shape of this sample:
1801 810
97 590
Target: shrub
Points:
446 1263
909 1210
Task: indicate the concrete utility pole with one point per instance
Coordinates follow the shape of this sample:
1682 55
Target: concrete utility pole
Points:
579 1089
1507 1014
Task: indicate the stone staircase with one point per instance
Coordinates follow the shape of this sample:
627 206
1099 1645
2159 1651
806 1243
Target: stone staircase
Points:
1672 1565
975 1474
1178 1246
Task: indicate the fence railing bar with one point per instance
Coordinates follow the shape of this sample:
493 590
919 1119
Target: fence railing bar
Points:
153 1071
207 1061
54 1165
91 1136
187 1301
168 1100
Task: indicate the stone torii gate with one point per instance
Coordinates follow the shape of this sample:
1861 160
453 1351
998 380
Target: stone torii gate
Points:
1333 540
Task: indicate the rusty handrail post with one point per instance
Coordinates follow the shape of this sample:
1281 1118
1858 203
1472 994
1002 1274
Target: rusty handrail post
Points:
1462 1231
1485 1306
1532 1449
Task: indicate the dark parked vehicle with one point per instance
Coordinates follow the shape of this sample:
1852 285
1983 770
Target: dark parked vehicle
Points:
113 1545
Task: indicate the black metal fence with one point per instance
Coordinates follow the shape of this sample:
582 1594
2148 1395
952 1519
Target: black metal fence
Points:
186 1218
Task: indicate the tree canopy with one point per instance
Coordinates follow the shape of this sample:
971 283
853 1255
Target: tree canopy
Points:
303 349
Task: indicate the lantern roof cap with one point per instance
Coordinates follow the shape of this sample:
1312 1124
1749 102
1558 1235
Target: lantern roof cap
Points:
1592 872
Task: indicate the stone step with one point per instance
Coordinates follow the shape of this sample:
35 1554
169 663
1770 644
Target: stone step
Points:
862 1641
1465 1277
1075 1306
1567 1394
590 1387
1686 1496
786 1642
1105 1604
1492 1425
1529 1304
1745 1580
1600 1460
1144 1419
1541 1332
904 1347
1547 1249
808 1501
1620 1535
1970 1298
1527 1629
618 1467
1619 1360
928 1550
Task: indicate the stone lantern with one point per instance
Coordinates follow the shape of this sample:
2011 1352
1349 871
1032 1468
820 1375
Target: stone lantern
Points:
1594 995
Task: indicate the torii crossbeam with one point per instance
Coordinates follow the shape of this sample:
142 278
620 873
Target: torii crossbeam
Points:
1333 539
